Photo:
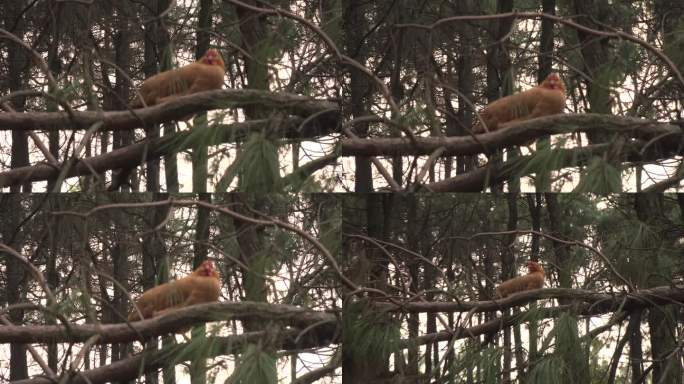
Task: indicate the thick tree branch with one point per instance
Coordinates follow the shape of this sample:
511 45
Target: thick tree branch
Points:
598 302
668 136
499 323
149 361
175 109
491 174
138 153
594 302
168 323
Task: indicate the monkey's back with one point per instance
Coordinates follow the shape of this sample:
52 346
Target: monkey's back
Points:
534 102
160 297
533 280
191 78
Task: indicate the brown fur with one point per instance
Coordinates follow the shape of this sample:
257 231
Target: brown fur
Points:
201 286
533 280
202 75
548 98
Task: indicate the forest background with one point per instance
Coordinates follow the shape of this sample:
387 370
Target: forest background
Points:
343 96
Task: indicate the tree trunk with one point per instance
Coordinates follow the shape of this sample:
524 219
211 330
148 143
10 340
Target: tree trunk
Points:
355 29
579 374
499 74
121 270
54 64
595 56
200 153
508 271
636 356
10 204
18 65
367 369
150 68
534 202
154 253
125 179
542 182
662 321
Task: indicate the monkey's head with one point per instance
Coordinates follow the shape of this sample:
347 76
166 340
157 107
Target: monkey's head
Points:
553 81
212 57
533 266
206 269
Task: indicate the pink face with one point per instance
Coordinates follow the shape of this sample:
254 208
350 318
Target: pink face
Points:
211 57
553 81
207 268
532 266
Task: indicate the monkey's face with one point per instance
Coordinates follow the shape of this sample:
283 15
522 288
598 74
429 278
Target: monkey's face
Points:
533 266
211 57
553 81
207 269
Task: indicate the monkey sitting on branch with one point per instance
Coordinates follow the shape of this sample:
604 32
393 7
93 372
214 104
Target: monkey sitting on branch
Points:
548 98
533 280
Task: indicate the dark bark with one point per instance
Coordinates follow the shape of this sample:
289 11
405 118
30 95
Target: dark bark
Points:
355 25
465 83
534 202
54 226
580 372
200 153
126 179
662 320
151 53
18 65
54 64
396 86
595 55
155 270
357 368
542 182
121 269
499 74
164 59
10 204
636 356
198 368
413 243
427 241
508 271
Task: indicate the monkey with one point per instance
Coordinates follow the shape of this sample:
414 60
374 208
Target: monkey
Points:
202 75
548 98
201 286
533 280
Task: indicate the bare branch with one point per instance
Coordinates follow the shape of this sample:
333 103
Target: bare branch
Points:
140 152
149 361
597 302
174 109
517 133
168 323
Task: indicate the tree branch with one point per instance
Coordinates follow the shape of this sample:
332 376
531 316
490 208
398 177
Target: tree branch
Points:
519 133
174 109
493 173
138 153
598 302
148 361
168 323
